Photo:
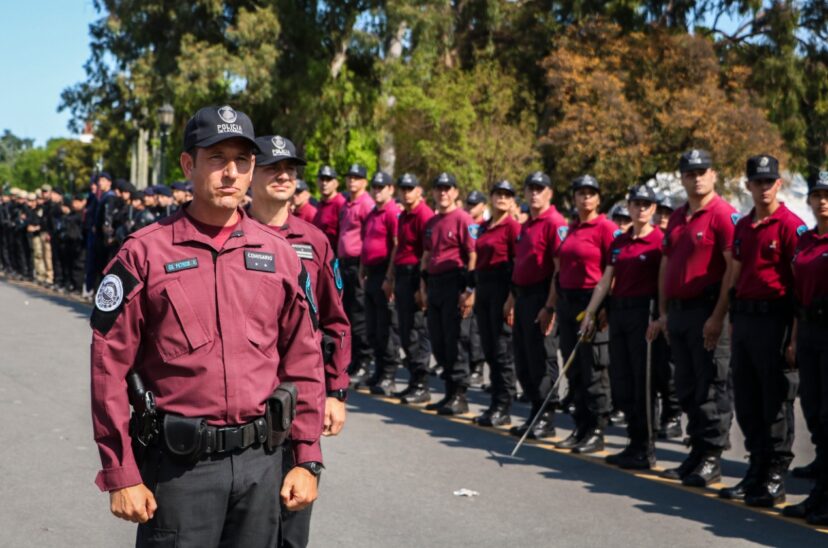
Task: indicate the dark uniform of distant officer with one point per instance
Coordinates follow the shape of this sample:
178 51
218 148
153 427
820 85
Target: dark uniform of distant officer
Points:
583 257
5 231
379 240
529 308
810 346
69 243
694 272
331 204
448 258
212 310
495 249
349 248
632 278
302 206
469 330
406 279
761 312
166 205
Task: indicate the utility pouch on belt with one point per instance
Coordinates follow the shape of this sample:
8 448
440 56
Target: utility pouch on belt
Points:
280 412
184 437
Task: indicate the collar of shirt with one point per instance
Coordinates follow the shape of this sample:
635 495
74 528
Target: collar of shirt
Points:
185 231
290 229
360 199
772 218
708 207
578 223
548 213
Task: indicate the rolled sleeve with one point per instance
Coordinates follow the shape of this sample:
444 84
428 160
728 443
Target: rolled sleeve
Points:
304 451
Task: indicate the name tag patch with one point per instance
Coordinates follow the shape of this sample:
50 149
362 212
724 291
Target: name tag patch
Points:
305 251
257 260
177 266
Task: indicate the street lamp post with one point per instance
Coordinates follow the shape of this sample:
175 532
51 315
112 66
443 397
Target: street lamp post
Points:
166 114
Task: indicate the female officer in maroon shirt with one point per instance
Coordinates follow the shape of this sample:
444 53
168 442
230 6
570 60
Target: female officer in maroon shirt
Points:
810 345
495 257
635 257
583 256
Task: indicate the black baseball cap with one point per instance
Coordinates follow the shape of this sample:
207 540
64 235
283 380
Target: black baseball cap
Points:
301 185
137 195
537 178
505 186
381 178
408 180
103 175
620 210
585 181
357 170
326 172
762 167
211 125
665 200
444 179
275 148
642 193
475 197
149 191
695 160
162 190
818 182
179 185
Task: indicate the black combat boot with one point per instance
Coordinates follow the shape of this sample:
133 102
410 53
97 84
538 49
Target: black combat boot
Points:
494 416
615 457
688 465
748 484
457 405
384 387
707 471
440 403
358 374
544 427
572 440
809 471
592 442
521 429
476 375
770 490
641 458
805 508
618 418
419 394
670 428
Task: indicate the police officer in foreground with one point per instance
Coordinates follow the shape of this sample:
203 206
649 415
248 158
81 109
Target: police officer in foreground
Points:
212 312
273 186
694 282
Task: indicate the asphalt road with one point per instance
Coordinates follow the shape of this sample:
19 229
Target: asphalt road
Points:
390 476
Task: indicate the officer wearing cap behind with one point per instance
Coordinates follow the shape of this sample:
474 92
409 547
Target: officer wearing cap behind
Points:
448 258
694 281
406 282
809 345
180 193
761 313
330 206
472 349
302 206
349 248
212 311
274 183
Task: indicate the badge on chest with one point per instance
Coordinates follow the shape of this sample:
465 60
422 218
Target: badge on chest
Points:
177 266
305 251
257 260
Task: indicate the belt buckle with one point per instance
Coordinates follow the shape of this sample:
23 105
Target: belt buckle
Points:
232 438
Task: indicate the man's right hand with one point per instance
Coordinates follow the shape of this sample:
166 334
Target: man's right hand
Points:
135 503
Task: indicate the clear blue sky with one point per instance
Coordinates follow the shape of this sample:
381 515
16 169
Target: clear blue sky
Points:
43 47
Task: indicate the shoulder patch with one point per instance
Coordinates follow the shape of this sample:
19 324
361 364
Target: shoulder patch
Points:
117 284
474 231
306 286
617 233
337 275
305 251
802 229
562 232
177 266
734 218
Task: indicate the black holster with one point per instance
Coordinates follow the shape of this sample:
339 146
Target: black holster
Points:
279 414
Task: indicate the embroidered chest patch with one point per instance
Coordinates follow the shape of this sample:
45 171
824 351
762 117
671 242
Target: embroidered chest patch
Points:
178 266
257 260
305 251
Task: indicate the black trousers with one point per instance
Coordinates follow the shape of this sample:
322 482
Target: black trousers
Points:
587 376
381 324
229 500
702 376
664 380
353 300
70 263
471 346
495 336
812 360
295 526
411 322
763 388
443 320
536 355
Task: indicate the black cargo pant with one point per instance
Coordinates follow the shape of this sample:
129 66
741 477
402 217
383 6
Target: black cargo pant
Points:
381 324
229 499
587 376
70 263
411 323
812 360
664 380
295 526
443 318
353 300
702 376
470 340
536 354
495 336
763 388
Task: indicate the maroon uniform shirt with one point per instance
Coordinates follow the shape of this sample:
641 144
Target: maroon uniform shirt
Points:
307 212
635 263
449 239
584 253
495 245
327 218
351 219
378 233
810 268
765 250
410 234
316 254
537 247
694 248
212 332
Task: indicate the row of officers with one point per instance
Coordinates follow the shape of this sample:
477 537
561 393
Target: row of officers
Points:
709 311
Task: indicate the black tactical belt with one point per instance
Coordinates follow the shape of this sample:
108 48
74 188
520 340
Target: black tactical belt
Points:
193 438
229 438
407 269
816 313
574 295
534 289
756 307
626 303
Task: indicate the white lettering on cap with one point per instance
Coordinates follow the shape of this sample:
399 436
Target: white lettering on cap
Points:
229 128
227 114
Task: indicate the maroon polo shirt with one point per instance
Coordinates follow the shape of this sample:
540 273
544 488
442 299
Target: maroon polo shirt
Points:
351 219
584 253
378 233
410 234
537 246
635 263
695 248
495 244
327 218
810 268
449 241
315 251
307 212
211 331
765 250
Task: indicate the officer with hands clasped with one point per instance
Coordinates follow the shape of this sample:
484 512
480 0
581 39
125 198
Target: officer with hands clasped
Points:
213 315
